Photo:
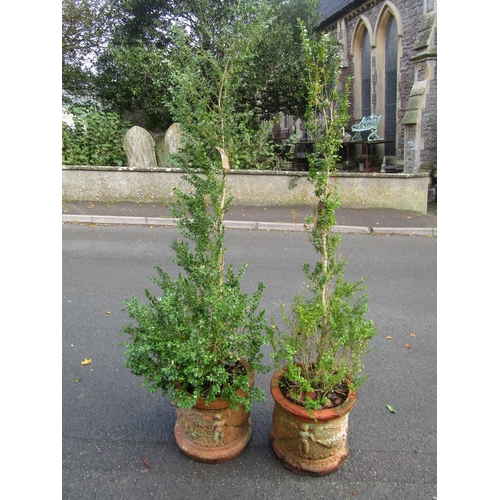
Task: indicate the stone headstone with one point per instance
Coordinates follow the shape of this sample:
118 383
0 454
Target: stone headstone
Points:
67 117
173 139
160 151
140 148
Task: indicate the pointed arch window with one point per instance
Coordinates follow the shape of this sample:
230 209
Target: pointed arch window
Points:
365 75
391 66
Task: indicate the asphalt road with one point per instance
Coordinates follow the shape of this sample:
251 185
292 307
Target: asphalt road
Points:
110 422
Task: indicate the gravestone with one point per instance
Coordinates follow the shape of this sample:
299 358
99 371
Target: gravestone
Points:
160 151
67 117
173 139
140 148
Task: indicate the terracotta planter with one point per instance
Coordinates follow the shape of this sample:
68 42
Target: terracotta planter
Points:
213 433
306 445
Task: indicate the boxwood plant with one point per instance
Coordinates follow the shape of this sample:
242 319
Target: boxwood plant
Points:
192 340
326 332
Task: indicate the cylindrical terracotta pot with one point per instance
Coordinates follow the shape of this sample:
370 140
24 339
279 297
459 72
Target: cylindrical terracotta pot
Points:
314 446
213 433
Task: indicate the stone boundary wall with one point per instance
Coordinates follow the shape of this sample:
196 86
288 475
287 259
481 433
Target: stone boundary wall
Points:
251 187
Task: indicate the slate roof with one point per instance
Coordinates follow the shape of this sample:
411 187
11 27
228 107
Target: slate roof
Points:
333 9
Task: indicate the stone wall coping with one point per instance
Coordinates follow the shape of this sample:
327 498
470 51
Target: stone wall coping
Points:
291 173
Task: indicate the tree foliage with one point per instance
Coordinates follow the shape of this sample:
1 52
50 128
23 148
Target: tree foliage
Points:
132 76
209 71
274 81
144 22
133 82
86 29
116 52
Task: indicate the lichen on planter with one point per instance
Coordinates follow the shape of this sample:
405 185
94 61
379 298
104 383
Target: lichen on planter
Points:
212 434
312 445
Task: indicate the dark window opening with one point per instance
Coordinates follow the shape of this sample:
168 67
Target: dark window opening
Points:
365 76
391 67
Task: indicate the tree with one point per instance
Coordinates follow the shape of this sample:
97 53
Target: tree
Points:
86 28
133 82
275 83
133 77
209 71
144 22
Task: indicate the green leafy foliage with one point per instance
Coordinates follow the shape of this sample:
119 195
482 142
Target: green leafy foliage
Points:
274 81
86 28
188 338
133 82
94 139
326 332
129 74
208 75
188 341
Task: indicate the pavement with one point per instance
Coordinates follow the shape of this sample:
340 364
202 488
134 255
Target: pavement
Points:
118 438
277 218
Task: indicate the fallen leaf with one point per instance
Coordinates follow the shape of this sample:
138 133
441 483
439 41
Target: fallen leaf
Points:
77 380
86 361
391 409
388 337
146 463
108 312
412 335
408 346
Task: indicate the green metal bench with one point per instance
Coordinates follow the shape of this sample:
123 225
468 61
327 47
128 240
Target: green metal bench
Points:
367 124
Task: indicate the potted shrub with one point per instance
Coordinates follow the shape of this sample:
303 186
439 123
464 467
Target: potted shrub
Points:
318 355
200 340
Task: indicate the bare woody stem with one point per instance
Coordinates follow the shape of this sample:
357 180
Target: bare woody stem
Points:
225 170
